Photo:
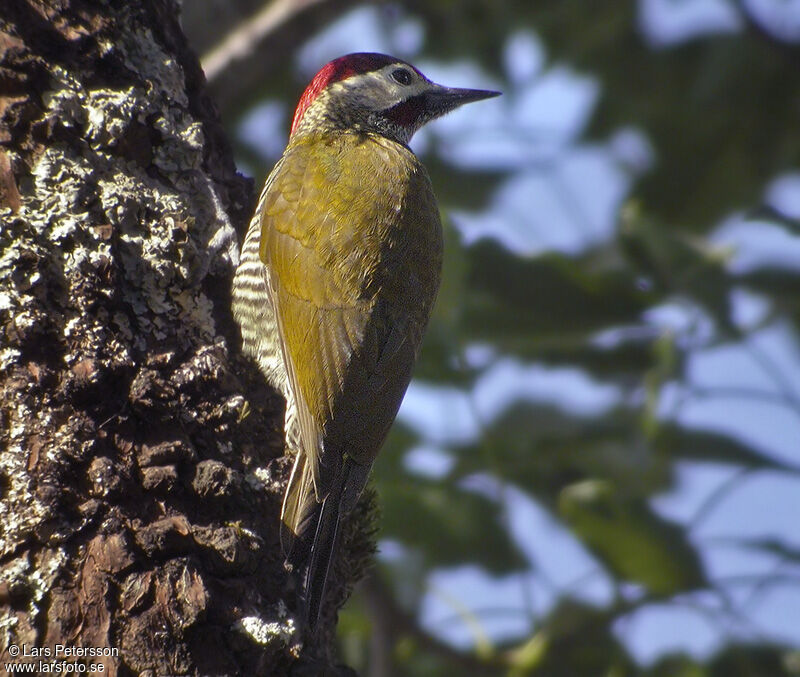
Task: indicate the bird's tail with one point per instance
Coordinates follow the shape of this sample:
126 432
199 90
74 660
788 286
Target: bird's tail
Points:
310 533
323 550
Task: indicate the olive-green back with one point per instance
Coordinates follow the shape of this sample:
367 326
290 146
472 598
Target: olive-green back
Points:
352 242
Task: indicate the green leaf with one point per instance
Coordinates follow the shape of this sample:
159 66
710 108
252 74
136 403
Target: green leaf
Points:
548 295
700 445
448 524
573 640
542 449
636 544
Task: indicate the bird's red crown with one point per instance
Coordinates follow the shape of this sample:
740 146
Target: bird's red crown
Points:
338 70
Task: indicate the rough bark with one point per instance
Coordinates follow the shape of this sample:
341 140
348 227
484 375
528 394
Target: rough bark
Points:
142 460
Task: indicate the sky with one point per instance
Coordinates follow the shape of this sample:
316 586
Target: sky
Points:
578 189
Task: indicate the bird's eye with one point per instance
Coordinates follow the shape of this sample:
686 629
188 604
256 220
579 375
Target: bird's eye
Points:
401 76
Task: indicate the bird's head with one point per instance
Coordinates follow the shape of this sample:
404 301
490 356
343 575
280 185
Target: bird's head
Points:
376 93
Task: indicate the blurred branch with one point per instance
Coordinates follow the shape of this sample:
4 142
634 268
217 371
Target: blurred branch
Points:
393 622
774 577
773 370
242 42
762 580
237 65
716 497
744 392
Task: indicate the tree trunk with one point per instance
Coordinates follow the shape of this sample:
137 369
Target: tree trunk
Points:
142 459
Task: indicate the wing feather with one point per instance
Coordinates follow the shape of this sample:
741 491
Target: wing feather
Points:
333 227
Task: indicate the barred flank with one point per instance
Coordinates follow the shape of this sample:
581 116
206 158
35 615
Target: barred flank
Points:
253 312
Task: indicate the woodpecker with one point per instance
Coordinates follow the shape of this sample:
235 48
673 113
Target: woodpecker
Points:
338 273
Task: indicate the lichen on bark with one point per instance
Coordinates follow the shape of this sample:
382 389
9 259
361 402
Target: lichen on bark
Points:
142 463
119 378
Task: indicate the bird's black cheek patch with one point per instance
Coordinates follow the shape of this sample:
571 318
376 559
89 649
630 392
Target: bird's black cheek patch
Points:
406 113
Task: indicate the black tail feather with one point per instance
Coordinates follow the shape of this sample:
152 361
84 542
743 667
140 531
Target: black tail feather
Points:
302 517
323 552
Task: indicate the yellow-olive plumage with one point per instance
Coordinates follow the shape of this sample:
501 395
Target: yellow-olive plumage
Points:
351 237
338 275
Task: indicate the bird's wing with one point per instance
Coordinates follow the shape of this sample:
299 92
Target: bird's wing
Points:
327 237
